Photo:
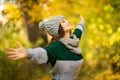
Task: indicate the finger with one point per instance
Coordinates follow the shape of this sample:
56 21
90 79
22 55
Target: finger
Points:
12 56
81 17
18 44
11 49
10 53
79 14
16 58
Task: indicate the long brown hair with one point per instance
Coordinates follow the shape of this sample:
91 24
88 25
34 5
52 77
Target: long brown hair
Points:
60 34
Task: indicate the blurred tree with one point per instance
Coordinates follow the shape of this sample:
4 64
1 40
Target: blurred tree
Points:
32 16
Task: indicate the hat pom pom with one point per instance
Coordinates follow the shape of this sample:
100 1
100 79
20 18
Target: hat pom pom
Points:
41 25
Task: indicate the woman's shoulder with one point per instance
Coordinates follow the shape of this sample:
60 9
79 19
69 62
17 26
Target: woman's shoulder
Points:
53 45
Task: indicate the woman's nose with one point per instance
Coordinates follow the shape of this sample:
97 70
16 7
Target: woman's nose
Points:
68 21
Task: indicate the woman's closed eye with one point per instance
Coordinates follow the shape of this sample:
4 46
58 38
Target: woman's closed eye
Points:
63 20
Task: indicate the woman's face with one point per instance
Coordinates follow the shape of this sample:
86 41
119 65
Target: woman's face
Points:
66 25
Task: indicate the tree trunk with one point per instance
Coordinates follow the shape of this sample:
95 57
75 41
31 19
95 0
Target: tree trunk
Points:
33 31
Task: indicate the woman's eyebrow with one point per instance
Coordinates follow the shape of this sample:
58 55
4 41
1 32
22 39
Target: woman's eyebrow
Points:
62 19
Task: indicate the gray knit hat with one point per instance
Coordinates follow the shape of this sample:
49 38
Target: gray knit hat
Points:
51 25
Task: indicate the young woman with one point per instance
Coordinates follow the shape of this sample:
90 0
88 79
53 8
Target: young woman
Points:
63 53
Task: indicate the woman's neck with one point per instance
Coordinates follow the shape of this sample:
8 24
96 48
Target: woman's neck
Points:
67 35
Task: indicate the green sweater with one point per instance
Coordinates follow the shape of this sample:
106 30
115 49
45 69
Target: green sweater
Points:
57 51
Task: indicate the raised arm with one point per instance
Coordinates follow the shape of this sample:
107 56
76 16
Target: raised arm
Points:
80 28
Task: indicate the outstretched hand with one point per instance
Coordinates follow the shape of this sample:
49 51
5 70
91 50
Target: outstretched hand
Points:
81 18
17 53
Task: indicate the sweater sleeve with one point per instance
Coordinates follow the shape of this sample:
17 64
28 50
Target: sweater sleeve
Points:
79 30
39 55
51 53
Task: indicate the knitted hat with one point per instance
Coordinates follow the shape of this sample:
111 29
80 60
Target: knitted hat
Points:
51 25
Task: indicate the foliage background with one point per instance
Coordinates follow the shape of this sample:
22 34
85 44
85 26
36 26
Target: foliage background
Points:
100 42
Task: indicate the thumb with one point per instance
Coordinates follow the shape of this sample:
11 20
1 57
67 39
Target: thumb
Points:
18 44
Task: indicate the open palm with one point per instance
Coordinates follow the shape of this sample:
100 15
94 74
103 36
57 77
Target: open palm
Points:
17 53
